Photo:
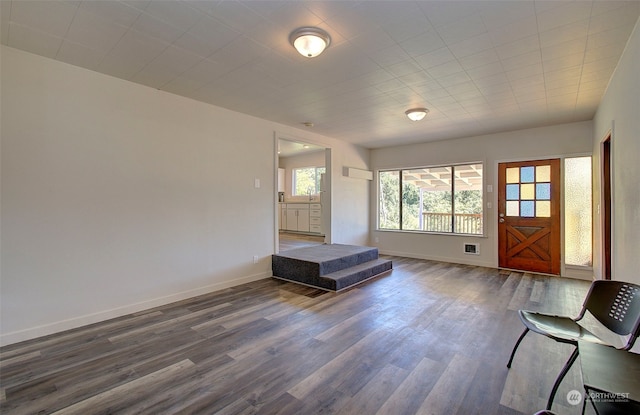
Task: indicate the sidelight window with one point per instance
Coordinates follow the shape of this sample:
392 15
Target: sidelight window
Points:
577 212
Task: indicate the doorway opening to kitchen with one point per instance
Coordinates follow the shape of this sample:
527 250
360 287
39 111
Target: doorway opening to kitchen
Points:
303 194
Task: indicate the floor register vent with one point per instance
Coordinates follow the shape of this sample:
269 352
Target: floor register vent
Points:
473 249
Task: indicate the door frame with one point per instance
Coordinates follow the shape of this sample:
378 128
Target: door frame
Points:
605 205
560 207
326 196
565 271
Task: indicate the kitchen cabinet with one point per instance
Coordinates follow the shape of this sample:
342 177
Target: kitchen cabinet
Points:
297 217
301 217
303 220
315 218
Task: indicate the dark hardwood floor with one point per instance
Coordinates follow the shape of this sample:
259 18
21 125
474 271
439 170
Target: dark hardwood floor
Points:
428 338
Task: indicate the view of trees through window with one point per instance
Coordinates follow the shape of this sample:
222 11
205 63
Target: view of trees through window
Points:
306 180
432 199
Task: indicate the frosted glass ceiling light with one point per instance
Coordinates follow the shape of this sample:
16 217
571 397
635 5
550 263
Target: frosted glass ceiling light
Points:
416 114
309 41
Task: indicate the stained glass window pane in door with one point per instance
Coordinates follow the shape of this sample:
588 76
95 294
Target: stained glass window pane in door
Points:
527 209
513 208
513 192
543 209
527 191
513 175
543 173
527 174
543 191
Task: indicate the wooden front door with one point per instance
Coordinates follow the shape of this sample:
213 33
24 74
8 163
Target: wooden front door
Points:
529 216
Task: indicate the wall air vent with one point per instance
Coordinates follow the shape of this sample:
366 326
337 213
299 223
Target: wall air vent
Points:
472 249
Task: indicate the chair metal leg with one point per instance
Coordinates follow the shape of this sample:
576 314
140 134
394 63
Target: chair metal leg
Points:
513 352
561 376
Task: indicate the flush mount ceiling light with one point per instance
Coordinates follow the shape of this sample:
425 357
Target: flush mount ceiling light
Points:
416 114
309 41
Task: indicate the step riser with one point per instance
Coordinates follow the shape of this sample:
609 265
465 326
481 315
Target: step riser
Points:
329 267
339 264
361 276
343 282
291 269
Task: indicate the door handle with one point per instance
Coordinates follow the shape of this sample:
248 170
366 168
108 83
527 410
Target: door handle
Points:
501 220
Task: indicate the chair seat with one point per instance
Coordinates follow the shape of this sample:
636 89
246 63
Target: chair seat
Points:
560 328
610 313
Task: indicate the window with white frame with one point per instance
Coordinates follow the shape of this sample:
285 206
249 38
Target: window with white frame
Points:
441 199
306 180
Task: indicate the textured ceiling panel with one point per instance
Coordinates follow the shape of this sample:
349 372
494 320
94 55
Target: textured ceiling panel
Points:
480 67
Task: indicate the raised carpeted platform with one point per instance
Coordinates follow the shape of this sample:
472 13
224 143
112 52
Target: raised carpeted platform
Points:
331 267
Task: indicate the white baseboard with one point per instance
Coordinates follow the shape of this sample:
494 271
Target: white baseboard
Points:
580 273
72 323
470 261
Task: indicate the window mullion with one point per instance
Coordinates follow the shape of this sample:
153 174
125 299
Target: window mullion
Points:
453 199
400 198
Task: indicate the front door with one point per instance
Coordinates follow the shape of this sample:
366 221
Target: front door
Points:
529 216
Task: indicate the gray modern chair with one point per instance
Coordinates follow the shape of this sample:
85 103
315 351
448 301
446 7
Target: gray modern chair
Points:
611 311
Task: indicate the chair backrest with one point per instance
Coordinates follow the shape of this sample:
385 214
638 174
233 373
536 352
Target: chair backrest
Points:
616 304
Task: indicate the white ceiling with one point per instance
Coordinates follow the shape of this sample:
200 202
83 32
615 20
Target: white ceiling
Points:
480 67
288 148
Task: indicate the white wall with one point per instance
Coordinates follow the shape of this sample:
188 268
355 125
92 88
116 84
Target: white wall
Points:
620 109
117 197
347 194
534 143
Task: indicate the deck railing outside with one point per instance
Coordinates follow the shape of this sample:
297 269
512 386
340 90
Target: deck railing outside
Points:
441 222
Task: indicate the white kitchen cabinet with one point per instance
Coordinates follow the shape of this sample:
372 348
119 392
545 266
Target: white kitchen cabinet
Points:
297 217
315 218
303 220
301 217
291 219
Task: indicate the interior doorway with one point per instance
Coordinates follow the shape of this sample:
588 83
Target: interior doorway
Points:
529 216
302 194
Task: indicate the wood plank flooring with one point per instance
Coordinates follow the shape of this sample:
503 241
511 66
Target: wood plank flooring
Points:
290 241
428 338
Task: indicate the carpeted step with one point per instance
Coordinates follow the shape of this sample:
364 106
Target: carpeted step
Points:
348 277
330 267
343 278
316 261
